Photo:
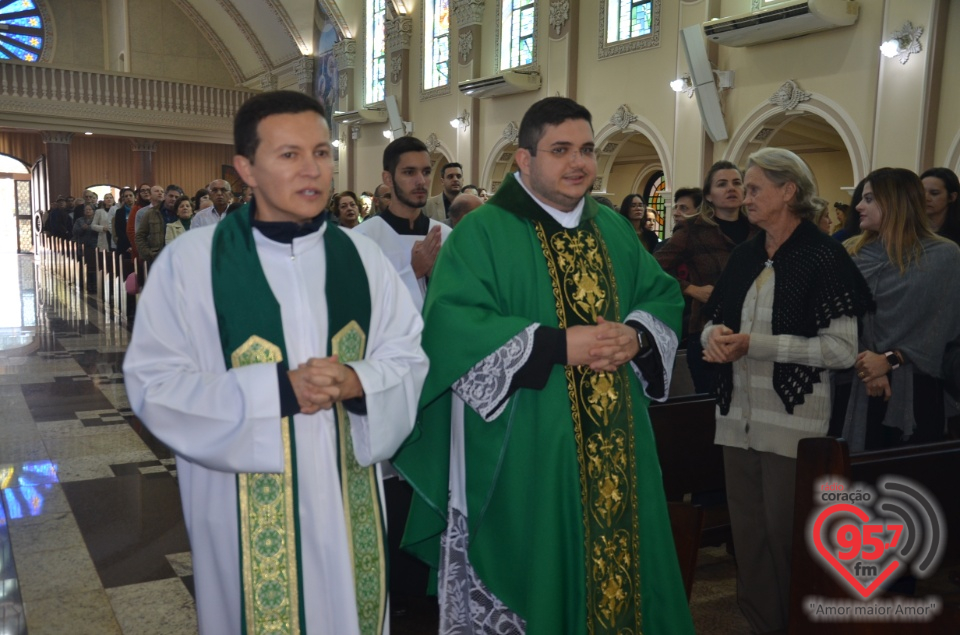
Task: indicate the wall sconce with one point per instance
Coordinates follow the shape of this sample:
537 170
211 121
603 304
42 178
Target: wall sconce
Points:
388 134
683 85
462 122
903 42
335 143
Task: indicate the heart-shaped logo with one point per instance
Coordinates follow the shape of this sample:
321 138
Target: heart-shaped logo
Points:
851 537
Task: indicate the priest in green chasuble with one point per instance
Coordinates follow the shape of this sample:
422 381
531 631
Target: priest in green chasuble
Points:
549 329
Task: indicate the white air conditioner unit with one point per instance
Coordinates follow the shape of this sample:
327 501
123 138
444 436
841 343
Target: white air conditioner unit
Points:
782 21
360 116
506 83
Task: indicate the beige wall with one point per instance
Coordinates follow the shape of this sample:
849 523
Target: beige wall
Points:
165 43
78 29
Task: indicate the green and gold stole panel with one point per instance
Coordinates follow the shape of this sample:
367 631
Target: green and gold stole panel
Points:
584 289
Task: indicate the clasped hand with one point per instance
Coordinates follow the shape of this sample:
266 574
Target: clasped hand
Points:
322 382
424 253
604 347
724 346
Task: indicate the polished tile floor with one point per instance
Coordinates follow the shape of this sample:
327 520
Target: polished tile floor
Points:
92 539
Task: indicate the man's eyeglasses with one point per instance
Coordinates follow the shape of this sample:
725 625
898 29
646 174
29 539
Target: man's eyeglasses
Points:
568 153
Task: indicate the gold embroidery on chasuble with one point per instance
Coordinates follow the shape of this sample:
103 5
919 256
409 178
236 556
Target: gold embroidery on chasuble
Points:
584 289
267 527
361 503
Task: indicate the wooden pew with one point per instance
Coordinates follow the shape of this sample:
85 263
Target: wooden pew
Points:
691 464
934 466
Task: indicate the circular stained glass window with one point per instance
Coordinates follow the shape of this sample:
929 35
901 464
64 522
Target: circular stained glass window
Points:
21 30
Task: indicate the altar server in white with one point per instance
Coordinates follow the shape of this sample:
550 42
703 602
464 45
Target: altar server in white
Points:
409 238
279 357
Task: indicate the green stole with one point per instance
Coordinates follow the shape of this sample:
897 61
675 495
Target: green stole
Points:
251 332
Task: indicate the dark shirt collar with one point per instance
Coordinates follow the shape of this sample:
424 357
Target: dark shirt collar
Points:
421 225
286 231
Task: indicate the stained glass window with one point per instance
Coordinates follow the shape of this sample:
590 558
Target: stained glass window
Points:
656 202
436 56
376 51
21 30
629 19
517 28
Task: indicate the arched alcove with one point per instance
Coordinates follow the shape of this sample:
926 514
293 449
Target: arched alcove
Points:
440 155
760 126
500 160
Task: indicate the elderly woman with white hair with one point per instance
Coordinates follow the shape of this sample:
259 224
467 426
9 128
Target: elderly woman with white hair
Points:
783 312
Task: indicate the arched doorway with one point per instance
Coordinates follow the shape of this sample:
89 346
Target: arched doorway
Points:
16 224
628 163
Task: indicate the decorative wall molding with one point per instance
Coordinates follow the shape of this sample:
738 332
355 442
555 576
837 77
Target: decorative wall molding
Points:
432 142
559 14
468 12
511 132
268 81
213 40
789 95
621 47
909 37
284 18
343 80
399 33
332 11
304 68
396 68
247 32
56 136
465 46
622 118
143 145
345 51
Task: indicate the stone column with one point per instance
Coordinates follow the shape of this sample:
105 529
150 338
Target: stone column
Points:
345 51
304 68
58 162
468 19
145 148
399 31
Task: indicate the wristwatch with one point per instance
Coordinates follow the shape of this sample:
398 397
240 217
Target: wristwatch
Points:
892 359
644 343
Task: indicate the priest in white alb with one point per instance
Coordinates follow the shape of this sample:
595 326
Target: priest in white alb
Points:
279 358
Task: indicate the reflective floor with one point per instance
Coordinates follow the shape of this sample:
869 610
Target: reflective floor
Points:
92 539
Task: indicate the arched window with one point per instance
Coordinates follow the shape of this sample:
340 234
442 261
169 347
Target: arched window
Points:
656 202
376 51
518 26
436 53
629 25
21 31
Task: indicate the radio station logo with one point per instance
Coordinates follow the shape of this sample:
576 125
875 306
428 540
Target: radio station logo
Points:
868 539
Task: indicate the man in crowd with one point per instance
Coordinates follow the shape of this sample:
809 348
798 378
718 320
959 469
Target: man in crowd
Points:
58 222
221 195
549 329
406 235
291 367
463 205
438 207
152 224
381 199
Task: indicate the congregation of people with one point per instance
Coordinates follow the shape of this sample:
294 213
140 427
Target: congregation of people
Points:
800 322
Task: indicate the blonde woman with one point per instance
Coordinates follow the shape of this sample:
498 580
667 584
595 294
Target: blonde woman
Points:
897 392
